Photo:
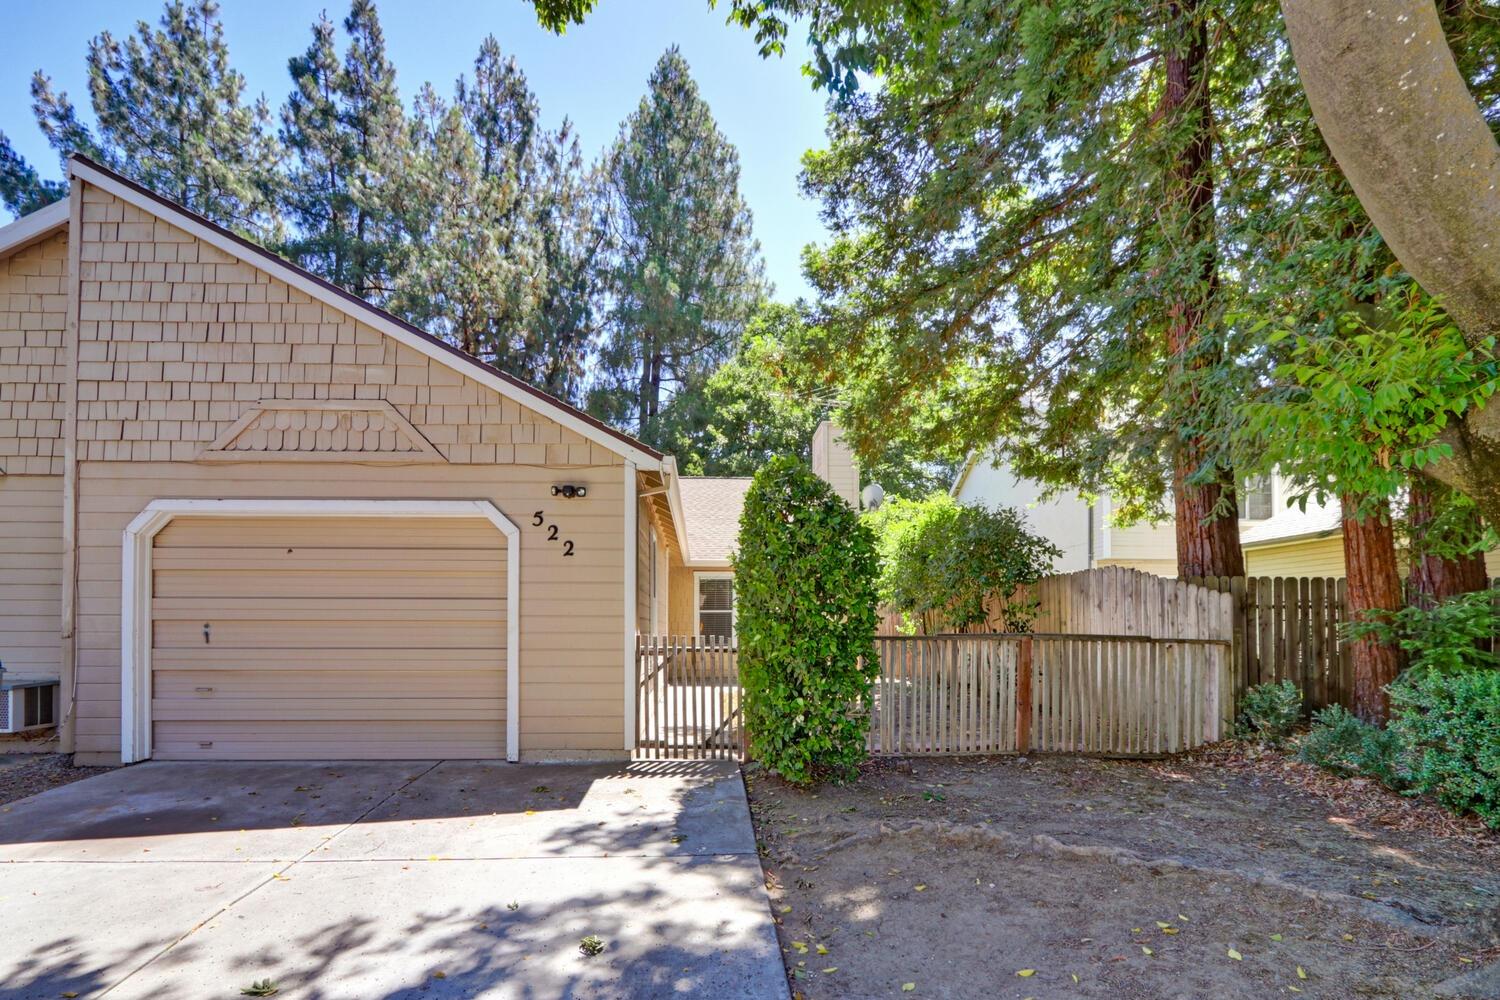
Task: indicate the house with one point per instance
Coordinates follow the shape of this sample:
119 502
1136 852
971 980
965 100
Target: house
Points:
245 514
1279 538
701 576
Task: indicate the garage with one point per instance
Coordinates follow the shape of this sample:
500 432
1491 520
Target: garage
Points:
328 637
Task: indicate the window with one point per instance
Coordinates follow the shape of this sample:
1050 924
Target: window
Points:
1255 499
716 605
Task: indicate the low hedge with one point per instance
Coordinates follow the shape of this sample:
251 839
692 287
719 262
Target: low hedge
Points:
1448 725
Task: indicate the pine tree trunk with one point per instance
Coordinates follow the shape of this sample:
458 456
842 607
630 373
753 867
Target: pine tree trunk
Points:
1208 540
1433 577
1374 587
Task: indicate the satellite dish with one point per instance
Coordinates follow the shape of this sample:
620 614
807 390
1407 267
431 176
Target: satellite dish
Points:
872 496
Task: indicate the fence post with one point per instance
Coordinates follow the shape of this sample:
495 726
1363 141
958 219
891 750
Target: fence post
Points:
1023 696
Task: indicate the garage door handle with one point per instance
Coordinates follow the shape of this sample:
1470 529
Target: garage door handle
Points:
204 690
207 628
205 744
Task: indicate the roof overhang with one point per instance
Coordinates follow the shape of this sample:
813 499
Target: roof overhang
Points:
1302 536
33 228
241 249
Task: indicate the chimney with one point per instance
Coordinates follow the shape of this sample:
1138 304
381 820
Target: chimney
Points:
834 462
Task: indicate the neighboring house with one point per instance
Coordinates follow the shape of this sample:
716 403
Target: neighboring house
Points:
245 514
1279 540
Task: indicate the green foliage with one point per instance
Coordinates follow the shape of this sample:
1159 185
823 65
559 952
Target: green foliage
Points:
341 126
1453 637
740 416
1355 412
170 113
684 275
805 579
500 243
1345 744
942 562
1447 724
1269 712
22 189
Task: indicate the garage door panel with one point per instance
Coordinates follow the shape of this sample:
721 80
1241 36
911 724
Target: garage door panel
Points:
281 558
414 661
344 583
330 709
379 533
328 638
287 608
250 682
295 740
330 634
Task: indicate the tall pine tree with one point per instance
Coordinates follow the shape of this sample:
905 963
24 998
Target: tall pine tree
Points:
499 236
339 126
171 114
686 272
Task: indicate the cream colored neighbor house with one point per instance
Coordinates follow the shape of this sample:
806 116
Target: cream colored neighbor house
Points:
1280 539
244 514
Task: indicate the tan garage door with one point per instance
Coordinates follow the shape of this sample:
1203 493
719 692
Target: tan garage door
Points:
311 638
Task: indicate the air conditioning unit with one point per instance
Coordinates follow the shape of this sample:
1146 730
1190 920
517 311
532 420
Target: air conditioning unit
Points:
28 704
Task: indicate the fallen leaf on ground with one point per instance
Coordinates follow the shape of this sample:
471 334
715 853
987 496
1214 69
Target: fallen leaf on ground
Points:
1025 973
1236 955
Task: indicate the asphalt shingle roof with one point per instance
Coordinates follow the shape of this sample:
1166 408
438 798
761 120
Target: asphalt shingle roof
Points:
711 514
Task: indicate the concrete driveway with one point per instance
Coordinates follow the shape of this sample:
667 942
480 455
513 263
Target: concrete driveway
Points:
375 880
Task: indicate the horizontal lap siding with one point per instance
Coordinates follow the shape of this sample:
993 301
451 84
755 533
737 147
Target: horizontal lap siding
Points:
572 608
31 557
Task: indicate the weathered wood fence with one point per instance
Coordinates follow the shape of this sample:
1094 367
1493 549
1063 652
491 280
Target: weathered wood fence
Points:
1113 695
1287 628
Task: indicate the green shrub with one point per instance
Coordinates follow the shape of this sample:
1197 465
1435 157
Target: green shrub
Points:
805 589
1453 636
1343 743
1269 712
942 562
1449 725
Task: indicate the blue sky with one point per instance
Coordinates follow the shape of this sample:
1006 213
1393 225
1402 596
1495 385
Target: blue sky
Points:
595 75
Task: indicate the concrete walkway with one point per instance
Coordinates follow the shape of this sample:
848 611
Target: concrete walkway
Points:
377 880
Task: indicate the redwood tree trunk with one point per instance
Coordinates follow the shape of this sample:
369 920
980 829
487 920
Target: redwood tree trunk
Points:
1208 538
1433 577
1374 589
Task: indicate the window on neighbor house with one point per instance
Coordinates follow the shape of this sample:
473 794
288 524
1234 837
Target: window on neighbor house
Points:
716 605
1255 499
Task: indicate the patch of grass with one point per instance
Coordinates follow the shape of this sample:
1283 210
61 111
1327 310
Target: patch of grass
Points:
591 946
265 988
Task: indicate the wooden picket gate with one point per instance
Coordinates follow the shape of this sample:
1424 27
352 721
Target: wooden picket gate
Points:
688 698
1111 695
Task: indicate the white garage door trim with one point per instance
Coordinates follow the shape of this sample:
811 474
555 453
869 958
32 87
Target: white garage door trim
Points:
135 599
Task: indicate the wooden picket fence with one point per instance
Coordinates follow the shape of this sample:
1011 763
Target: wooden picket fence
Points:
1287 628
1111 695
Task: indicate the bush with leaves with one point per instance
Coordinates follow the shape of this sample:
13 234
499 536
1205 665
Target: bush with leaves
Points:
1455 636
1449 727
1345 744
1269 712
943 562
805 589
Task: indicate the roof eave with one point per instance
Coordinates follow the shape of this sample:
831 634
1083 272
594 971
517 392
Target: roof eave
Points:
33 228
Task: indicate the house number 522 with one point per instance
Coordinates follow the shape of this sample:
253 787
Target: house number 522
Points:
540 518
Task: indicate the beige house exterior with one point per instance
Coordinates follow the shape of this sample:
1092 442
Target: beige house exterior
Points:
1280 538
246 515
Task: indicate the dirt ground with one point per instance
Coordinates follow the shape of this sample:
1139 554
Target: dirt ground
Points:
28 772
1067 877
